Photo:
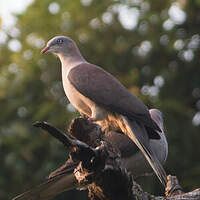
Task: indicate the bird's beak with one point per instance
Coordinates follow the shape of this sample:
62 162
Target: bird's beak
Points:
45 50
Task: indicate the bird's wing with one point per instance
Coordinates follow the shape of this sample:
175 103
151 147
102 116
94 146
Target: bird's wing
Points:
105 90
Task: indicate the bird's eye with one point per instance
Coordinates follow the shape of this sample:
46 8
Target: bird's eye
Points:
59 41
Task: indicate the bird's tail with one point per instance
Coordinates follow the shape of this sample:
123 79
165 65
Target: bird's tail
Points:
50 188
139 135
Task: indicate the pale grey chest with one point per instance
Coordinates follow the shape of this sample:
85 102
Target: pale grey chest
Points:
80 102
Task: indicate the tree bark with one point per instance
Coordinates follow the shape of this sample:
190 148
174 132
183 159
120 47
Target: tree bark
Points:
100 169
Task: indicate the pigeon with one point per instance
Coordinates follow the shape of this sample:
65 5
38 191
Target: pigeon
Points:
98 95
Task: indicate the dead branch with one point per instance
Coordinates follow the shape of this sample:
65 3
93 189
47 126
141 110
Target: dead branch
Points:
100 169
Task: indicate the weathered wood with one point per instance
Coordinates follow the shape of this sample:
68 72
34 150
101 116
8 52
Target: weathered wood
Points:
100 169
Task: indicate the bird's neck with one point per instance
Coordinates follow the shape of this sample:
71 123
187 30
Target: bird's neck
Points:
71 60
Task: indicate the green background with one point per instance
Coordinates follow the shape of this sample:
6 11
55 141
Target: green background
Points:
158 60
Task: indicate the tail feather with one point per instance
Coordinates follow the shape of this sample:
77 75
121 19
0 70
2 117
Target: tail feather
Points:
50 188
140 137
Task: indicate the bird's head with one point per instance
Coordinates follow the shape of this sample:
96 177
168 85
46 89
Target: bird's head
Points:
157 116
58 45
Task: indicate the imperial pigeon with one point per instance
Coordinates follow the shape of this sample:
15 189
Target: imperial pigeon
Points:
100 96
133 160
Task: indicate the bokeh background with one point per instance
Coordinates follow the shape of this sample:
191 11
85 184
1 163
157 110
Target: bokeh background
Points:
151 46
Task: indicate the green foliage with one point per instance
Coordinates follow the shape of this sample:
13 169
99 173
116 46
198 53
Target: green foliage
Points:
157 62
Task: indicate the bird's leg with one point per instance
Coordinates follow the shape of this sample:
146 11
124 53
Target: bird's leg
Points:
98 114
83 115
91 119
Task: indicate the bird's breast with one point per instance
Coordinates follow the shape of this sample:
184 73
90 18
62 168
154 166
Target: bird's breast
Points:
80 102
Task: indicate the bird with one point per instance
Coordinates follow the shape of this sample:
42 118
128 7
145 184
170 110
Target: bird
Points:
132 159
98 95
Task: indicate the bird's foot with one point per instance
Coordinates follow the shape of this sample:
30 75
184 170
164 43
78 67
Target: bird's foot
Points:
91 119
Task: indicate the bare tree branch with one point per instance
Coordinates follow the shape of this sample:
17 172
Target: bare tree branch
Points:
100 169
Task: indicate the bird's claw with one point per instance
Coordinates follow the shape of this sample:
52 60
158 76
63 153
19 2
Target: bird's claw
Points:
91 119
